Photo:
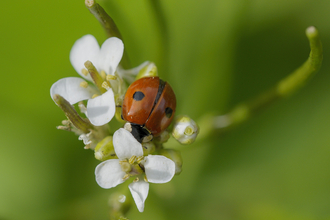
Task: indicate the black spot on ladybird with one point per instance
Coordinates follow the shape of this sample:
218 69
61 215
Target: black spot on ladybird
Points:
138 96
168 112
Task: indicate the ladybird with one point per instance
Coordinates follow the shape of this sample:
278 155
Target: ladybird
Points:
149 106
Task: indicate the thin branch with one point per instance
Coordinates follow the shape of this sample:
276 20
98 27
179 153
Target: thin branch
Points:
108 25
163 30
284 88
105 20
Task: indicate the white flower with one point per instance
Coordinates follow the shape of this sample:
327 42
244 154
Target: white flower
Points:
130 74
110 173
101 109
104 59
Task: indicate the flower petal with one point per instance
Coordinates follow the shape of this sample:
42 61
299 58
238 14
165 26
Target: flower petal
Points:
126 145
70 89
139 192
101 109
130 74
85 48
110 55
109 174
159 169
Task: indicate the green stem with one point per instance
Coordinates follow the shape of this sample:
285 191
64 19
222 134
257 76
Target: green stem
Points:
284 88
108 25
120 202
299 77
162 26
105 20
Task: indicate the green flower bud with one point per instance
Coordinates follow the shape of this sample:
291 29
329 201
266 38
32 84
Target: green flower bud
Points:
174 155
104 150
185 130
163 137
148 71
148 148
119 204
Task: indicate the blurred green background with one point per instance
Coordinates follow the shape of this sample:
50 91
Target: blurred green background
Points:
215 54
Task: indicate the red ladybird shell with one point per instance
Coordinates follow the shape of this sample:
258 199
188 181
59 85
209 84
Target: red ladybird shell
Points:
149 102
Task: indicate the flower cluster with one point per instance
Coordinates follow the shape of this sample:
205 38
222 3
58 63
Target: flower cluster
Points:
131 162
101 104
102 86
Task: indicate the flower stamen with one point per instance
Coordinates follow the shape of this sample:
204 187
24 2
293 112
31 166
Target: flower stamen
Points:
145 179
66 122
94 96
85 138
84 71
106 85
111 77
132 159
83 84
82 107
139 159
103 74
126 177
64 128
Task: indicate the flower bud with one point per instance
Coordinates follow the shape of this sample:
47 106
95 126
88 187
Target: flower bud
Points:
148 148
119 204
163 137
174 155
104 150
185 130
147 71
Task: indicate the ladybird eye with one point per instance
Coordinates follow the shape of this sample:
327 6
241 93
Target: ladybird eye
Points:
138 96
168 112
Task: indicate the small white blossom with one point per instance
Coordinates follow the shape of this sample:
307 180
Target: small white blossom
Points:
101 109
110 173
185 130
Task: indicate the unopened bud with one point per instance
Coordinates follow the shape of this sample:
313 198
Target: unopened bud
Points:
147 71
174 155
163 137
104 150
148 148
119 204
185 130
